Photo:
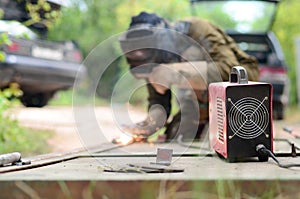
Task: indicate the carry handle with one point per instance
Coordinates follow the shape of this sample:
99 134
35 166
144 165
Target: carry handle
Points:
239 75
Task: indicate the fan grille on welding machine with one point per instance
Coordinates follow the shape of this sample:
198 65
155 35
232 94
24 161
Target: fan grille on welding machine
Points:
248 117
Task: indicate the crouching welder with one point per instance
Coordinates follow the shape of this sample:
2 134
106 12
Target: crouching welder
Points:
188 54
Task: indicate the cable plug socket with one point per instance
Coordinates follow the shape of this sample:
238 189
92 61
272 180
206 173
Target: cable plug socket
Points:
262 153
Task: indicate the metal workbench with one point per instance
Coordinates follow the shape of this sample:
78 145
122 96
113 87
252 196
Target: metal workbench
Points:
99 173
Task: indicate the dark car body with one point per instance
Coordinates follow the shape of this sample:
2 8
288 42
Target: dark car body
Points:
40 67
255 38
272 67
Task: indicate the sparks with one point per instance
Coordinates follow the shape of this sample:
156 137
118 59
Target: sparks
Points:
124 139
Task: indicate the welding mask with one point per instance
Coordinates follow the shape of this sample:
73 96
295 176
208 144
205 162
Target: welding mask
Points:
147 43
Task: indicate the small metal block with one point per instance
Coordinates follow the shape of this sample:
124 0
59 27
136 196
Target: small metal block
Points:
164 156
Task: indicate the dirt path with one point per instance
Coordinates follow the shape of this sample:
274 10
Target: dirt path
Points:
68 133
71 133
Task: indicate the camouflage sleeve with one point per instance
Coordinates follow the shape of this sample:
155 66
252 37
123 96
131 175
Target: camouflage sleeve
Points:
227 54
222 49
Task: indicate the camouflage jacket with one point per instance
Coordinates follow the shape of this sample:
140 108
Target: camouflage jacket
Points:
224 52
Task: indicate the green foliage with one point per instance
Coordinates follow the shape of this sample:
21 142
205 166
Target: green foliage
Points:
13 137
286 28
41 12
263 22
90 22
89 25
8 98
1 13
169 9
65 98
4 40
92 25
2 56
222 19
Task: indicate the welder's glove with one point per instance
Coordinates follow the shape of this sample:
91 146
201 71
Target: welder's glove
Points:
190 75
143 129
156 119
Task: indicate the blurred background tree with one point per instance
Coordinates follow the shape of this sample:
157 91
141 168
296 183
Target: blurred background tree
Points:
13 136
287 27
89 22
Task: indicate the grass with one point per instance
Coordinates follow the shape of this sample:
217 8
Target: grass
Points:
14 137
39 145
62 98
138 99
65 98
29 142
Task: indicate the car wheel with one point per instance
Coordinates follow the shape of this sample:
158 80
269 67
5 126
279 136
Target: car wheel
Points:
278 111
36 99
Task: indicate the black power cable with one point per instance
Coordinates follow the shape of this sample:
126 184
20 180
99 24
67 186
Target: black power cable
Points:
263 151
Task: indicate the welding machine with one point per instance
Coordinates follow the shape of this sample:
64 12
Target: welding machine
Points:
240 117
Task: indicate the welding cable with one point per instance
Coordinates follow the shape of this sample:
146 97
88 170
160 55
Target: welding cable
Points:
287 141
261 149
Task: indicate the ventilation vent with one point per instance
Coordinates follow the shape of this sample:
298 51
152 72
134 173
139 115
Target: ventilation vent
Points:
220 119
248 117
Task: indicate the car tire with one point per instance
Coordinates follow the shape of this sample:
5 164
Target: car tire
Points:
278 111
36 99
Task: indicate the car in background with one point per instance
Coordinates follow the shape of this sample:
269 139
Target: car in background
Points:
39 67
249 23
